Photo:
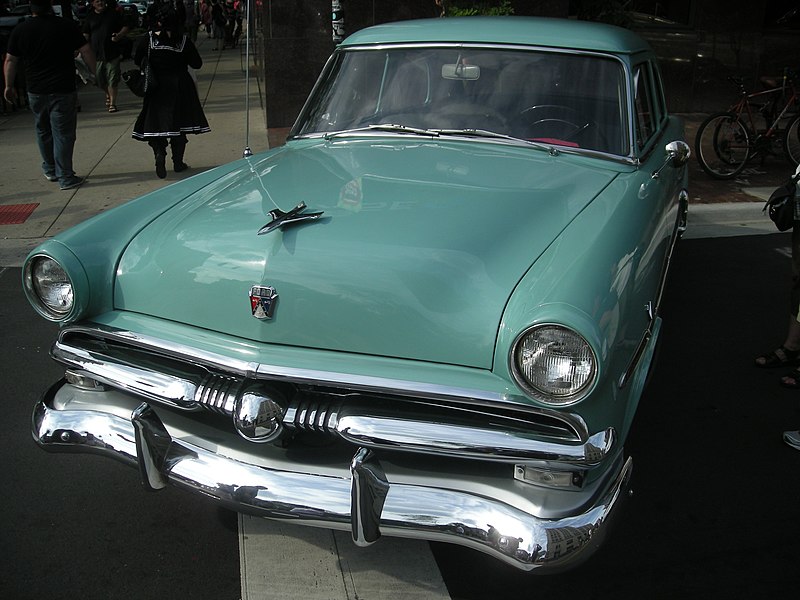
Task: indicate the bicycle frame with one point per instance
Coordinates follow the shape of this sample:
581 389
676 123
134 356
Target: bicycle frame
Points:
745 105
727 140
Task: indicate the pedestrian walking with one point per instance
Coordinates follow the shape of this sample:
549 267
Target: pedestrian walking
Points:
104 27
205 16
172 109
218 23
788 354
46 45
191 19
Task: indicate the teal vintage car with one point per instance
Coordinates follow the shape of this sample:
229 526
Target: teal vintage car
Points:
430 314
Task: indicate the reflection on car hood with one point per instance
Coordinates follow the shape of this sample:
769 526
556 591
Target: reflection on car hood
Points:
416 254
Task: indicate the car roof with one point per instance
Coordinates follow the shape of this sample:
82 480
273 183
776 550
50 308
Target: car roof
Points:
536 31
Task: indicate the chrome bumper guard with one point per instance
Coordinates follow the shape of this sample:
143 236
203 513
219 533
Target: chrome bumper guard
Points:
366 503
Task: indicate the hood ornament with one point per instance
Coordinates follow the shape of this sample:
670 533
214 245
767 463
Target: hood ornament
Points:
282 219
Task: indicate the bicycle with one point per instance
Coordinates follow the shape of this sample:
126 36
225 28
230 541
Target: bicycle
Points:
727 141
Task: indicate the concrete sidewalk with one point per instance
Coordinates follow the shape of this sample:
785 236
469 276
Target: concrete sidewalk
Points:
119 168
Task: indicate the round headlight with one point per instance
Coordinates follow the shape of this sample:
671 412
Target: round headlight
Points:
49 287
554 364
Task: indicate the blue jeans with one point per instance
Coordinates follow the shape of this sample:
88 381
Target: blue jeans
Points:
56 122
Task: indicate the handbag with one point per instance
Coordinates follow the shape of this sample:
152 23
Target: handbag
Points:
142 80
780 206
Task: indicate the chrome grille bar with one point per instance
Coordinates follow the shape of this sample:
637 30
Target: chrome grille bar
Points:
368 416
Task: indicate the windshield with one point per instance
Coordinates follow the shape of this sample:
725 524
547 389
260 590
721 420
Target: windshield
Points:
568 100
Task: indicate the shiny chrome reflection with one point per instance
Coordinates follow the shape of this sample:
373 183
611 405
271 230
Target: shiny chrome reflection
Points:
494 526
152 445
258 415
407 435
677 154
367 496
367 412
99 347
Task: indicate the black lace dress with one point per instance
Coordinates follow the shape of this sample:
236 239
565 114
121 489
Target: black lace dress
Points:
173 108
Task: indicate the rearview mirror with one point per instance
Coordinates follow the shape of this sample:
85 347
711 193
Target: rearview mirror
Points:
464 72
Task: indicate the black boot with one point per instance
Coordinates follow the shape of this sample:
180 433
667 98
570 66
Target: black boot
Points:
178 148
160 152
161 164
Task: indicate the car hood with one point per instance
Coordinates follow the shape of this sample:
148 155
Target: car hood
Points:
415 256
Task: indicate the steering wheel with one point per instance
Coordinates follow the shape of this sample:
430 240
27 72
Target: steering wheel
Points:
553 121
462 115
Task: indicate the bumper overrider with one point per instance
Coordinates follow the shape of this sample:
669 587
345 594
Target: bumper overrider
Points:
360 498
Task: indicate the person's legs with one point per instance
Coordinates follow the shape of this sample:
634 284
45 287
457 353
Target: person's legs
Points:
789 352
64 123
793 333
159 146
792 342
112 77
101 76
178 145
40 107
219 33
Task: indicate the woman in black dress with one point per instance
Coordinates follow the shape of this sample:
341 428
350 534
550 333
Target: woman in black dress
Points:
172 109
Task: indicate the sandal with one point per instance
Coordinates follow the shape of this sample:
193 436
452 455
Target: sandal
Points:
791 380
112 108
780 357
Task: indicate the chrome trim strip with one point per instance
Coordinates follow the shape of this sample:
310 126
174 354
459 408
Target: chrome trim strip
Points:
159 387
469 442
416 511
520 441
654 308
162 388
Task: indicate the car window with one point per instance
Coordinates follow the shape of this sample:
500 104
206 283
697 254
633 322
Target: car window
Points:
660 97
565 99
645 110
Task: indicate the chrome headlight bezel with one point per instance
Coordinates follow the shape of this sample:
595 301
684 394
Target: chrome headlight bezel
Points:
33 283
581 350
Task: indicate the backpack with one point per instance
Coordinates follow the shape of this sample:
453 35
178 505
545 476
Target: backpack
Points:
780 206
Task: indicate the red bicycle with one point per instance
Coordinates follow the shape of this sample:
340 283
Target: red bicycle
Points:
727 141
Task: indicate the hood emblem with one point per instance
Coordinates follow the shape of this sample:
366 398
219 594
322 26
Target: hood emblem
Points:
282 219
262 301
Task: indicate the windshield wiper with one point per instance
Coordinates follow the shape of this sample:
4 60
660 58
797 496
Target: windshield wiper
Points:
390 127
484 133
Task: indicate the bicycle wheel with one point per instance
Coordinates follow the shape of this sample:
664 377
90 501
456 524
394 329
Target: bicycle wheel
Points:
722 145
791 141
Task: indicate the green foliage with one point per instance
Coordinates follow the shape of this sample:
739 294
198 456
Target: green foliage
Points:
604 11
465 8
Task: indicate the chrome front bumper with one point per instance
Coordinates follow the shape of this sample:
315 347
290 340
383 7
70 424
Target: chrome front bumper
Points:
364 502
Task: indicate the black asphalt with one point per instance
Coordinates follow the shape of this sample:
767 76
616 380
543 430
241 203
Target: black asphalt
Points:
715 511
80 526
716 506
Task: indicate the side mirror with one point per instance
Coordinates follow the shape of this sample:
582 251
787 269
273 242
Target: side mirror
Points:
678 153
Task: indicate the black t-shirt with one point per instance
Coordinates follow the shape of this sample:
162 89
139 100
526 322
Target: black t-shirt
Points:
99 27
47 45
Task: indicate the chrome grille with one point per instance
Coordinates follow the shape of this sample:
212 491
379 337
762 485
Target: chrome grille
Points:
217 393
366 411
312 415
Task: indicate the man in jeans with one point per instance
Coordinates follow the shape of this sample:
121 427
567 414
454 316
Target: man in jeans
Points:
48 45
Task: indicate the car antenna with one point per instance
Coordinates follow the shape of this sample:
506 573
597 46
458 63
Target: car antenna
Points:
247 151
